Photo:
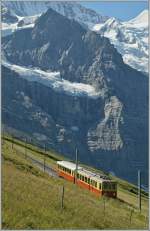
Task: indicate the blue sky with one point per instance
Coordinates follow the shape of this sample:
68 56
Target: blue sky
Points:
121 10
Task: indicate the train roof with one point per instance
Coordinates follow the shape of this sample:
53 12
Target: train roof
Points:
86 173
93 176
68 165
101 178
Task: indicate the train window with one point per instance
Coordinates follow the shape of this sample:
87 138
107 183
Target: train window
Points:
94 183
107 185
104 186
82 178
77 175
100 186
88 180
85 179
113 186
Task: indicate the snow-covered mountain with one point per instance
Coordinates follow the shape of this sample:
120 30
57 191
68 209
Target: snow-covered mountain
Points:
130 38
71 10
141 19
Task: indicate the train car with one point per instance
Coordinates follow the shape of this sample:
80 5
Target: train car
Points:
96 183
67 170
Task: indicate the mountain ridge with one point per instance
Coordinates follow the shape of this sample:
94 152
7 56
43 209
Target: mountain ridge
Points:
130 38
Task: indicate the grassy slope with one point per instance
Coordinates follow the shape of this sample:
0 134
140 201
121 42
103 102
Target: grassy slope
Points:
32 199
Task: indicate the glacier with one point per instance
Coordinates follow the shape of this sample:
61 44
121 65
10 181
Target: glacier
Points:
53 80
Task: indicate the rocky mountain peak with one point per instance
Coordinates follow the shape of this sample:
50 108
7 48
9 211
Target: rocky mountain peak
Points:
62 44
54 24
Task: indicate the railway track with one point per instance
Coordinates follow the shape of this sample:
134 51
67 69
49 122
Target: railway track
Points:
45 168
40 164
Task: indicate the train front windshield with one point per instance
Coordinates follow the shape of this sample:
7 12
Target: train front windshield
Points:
109 186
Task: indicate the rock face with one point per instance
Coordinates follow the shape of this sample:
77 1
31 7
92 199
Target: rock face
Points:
110 130
107 132
7 15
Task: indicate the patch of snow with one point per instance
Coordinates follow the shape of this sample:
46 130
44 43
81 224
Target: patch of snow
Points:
8 29
26 101
53 80
75 128
39 136
61 135
96 27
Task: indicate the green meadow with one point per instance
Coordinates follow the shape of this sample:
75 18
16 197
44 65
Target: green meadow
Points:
31 199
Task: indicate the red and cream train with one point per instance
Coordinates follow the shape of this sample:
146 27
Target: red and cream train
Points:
96 183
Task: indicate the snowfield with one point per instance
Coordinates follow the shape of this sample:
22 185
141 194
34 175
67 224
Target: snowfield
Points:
53 80
130 39
23 23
